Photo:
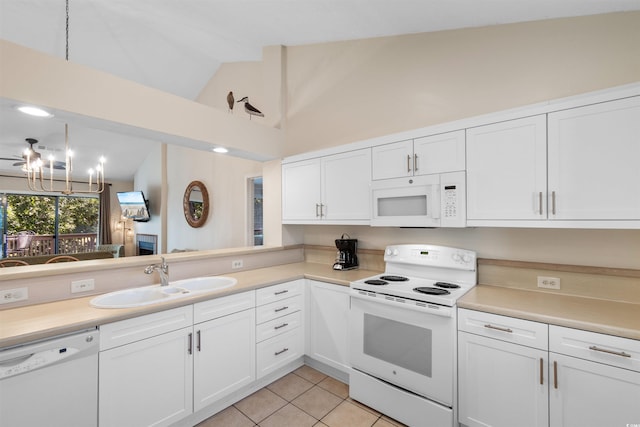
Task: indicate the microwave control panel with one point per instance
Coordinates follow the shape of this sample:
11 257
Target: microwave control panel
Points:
453 199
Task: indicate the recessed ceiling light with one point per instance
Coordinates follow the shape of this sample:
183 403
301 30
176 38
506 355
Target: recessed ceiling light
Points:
221 150
34 111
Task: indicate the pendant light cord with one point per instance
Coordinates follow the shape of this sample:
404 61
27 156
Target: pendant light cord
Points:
67 33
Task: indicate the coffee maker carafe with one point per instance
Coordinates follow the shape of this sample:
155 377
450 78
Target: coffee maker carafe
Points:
346 258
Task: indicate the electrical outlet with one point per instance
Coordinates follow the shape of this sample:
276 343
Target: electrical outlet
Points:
548 282
237 263
83 285
14 295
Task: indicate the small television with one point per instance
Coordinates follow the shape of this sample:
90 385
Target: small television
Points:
134 205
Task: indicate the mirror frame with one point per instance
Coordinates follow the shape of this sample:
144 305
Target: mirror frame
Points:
195 223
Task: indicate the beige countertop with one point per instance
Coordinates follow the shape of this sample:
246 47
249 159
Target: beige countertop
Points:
24 324
591 314
34 322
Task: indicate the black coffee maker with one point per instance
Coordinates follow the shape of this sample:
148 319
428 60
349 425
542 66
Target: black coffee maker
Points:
346 258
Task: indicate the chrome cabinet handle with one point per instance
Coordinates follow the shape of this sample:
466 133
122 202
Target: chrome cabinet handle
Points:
281 292
408 163
555 374
415 162
190 346
278 353
553 202
317 210
604 350
280 309
281 326
540 201
198 341
497 328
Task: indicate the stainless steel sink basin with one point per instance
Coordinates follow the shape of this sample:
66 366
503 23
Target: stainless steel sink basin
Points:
154 294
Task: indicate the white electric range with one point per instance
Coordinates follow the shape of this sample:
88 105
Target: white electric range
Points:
403 333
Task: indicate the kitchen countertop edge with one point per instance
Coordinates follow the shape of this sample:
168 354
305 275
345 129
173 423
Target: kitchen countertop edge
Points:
590 314
41 321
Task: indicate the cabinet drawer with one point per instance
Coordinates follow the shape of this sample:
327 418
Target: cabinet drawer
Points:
608 349
267 312
278 292
278 351
224 306
510 329
278 326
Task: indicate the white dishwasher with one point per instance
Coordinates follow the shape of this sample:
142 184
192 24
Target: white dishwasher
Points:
53 382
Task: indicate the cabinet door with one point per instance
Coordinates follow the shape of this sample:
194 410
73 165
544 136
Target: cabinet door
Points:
301 190
590 394
506 170
501 384
439 153
393 160
593 161
224 353
327 324
346 179
148 382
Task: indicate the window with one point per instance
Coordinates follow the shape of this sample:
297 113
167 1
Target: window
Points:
44 225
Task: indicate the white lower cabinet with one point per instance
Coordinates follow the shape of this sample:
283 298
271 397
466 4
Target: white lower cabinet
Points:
224 348
280 333
159 368
500 381
327 316
147 381
595 379
584 379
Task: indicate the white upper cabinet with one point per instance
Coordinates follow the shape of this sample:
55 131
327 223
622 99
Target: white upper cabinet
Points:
332 189
420 156
594 162
506 170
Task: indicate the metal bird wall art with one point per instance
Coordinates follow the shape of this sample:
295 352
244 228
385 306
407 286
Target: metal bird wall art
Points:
230 101
250 109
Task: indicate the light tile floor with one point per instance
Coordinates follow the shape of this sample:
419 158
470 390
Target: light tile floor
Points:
303 398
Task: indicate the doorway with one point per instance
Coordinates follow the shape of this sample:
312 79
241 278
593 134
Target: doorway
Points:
255 204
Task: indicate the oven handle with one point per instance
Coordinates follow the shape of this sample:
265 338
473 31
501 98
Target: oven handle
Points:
434 309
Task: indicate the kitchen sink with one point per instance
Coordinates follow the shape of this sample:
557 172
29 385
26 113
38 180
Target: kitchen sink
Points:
154 294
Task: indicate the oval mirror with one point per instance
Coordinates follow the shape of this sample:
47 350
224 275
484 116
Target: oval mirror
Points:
196 204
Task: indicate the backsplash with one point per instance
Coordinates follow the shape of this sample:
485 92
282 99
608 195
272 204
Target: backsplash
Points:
593 282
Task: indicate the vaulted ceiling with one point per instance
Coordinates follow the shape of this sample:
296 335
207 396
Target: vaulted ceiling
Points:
177 45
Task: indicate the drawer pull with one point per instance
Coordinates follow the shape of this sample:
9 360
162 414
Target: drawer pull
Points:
278 353
604 350
498 328
281 292
281 308
281 326
541 371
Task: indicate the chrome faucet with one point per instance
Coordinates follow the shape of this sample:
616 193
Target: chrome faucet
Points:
163 270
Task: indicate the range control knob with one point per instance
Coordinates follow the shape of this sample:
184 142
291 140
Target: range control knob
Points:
466 258
456 257
388 251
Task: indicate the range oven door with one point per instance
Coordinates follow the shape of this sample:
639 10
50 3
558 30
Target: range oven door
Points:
412 349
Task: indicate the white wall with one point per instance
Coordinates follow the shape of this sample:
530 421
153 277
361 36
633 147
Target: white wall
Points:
226 179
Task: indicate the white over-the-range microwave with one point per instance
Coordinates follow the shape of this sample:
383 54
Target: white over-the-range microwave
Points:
437 200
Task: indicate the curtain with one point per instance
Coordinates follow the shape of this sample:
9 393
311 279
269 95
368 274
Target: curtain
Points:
105 215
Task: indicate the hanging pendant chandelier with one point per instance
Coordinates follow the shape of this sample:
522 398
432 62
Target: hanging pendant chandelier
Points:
35 167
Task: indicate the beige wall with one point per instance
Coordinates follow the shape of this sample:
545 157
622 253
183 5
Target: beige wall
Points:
344 92
350 91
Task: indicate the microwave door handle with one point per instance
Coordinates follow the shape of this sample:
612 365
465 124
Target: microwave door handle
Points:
435 203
